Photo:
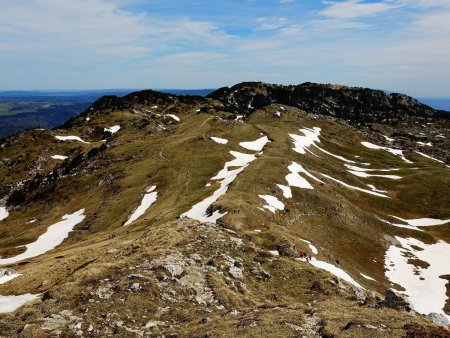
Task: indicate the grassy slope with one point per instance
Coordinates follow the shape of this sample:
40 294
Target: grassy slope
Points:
180 161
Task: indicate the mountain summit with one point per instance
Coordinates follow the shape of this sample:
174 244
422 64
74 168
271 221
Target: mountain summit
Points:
260 210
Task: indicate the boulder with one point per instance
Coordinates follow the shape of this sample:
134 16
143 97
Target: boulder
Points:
438 319
235 272
359 294
394 300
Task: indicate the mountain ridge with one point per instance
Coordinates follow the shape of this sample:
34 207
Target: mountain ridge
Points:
192 216
307 96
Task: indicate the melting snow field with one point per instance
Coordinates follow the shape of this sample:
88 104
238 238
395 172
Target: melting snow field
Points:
334 270
273 203
406 226
310 137
113 129
396 152
59 157
429 144
311 246
219 140
199 211
287 192
367 277
12 303
53 237
429 157
302 142
257 145
8 275
335 156
295 180
366 175
149 198
355 188
373 188
426 290
423 222
70 138
3 213
355 168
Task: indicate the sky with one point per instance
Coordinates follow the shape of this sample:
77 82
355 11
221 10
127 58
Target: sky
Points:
395 45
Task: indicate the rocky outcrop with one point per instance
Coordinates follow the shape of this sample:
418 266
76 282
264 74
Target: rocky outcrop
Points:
360 105
394 300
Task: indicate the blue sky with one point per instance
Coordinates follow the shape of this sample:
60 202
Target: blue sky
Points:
398 45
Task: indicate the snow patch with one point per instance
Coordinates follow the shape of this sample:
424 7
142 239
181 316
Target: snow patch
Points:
113 129
367 277
295 180
335 156
256 145
424 287
199 211
366 175
429 157
273 203
355 168
338 272
428 144
7 274
12 303
355 188
406 226
396 152
3 213
423 222
59 157
376 190
149 198
287 193
176 118
70 138
49 240
309 138
219 140
311 246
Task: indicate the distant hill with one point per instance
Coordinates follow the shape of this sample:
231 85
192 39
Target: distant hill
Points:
22 110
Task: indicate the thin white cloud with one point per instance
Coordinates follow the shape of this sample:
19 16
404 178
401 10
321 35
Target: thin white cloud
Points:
272 23
97 26
350 9
401 45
